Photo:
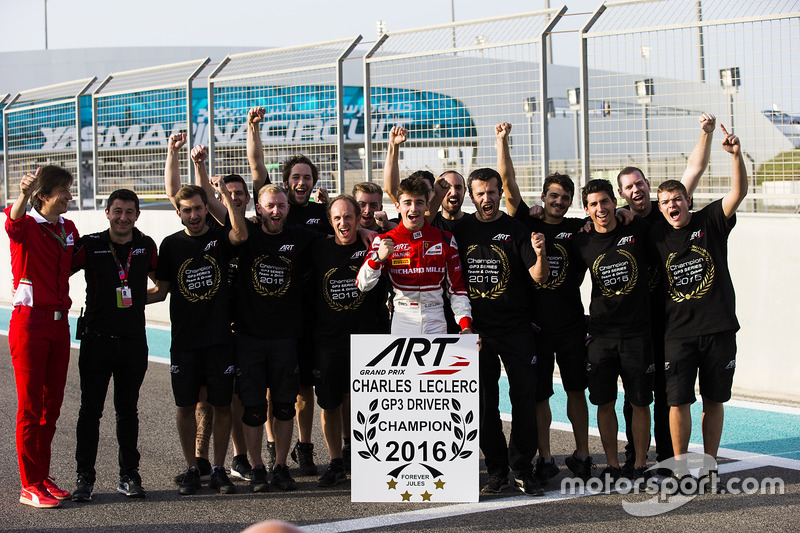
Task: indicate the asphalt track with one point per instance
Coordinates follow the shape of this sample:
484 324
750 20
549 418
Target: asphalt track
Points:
322 510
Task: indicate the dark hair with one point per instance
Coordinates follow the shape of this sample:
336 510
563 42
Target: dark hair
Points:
289 164
628 170
596 185
367 187
50 178
671 186
484 174
189 191
427 175
235 178
446 172
125 195
347 198
559 179
413 186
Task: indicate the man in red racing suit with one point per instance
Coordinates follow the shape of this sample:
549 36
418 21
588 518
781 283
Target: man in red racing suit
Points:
421 262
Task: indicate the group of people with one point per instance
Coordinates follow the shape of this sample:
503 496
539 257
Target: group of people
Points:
262 311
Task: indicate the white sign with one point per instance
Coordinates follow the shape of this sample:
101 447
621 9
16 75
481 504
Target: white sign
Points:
414 412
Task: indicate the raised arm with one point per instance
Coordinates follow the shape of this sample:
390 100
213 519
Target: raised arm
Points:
541 270
27 185
255 150
734 197
698 159
506 168
440 188
215 205
172 168
238 233
391 168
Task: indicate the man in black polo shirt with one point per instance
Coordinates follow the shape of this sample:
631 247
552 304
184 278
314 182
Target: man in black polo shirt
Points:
616 257
193 266
341 310
701 322
116 263
498 255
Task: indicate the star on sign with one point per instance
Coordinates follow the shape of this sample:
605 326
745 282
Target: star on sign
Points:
426 496
439 483
406 496
392 484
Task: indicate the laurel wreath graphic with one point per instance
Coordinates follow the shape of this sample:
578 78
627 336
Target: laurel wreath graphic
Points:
369 429
279 291
556 282
628 287
338 306
705 285
500 287
189 295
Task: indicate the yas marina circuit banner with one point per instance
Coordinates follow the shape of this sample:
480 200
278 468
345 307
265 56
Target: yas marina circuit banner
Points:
414 413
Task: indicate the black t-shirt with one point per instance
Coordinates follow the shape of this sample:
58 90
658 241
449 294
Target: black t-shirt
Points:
101 270
495 258
446 224
342 309
271 272
197 269
558 305
618 262
312 215
694 264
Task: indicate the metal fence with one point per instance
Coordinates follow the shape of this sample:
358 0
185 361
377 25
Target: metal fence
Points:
644 85
42 127
449 85
301 89
135 112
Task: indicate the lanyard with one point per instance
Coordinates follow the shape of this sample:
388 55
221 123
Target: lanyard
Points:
123 271
62 239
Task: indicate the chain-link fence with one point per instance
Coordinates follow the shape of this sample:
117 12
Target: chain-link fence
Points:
43 127
301 89
449 85
135 112
652 67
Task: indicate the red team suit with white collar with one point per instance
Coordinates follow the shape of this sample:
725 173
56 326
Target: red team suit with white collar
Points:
423 265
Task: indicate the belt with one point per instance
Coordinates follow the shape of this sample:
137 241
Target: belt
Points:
49 315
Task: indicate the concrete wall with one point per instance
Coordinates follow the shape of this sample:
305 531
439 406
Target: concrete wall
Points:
764 262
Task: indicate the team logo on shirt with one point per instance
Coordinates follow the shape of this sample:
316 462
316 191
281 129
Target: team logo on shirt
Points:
70 240
313 221
680 276
696 235
563 235
199 280
138 251
211 245
272 276
626 240
417 235
616 276
361 254
502 237
340 290
286 248
435 249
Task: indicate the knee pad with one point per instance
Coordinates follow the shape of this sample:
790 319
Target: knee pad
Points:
283 411
254 416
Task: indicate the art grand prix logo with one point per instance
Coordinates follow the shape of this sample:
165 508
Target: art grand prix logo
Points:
402 350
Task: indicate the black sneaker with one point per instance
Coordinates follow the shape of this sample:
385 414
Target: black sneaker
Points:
708 483
190 483
334 475
303 455
83 489
131 486
270 455
282 479
580 468
628 467
258 481
497 483
240 467
609 477
220 481
529 484
544 469
203 465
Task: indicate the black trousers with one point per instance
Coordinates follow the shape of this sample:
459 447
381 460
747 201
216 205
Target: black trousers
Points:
517 351
102 357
